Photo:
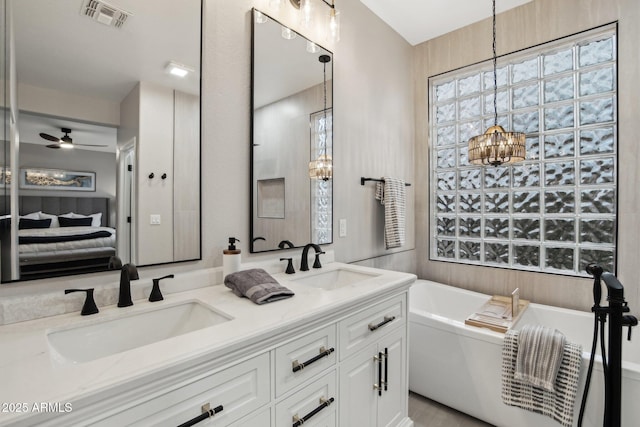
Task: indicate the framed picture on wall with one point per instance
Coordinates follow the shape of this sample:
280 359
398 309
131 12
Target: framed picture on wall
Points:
54 179
5 177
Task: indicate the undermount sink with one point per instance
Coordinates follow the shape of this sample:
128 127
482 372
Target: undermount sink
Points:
132 330
334 279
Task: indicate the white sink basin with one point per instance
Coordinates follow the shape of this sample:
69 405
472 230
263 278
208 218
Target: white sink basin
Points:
334 279
132 330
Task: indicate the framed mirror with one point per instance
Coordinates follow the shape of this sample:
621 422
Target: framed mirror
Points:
292 125
108 154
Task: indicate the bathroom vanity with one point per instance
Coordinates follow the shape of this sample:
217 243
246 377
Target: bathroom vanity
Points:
335 354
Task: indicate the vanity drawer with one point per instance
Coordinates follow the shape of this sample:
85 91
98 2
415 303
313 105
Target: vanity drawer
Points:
240 389
363 328
261 418
304 357
313 402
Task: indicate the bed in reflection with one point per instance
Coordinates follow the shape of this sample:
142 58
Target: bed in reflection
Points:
59 235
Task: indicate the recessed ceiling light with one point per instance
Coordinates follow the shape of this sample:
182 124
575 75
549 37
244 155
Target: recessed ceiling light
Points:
176 69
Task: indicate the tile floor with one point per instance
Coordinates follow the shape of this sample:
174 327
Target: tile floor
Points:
427 413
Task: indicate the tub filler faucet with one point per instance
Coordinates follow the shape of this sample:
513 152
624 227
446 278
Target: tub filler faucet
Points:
617 320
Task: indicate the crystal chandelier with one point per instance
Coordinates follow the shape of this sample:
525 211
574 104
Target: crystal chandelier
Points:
496 146
322 167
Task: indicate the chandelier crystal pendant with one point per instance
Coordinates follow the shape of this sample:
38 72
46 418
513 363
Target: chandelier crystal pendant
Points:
322 167
496 146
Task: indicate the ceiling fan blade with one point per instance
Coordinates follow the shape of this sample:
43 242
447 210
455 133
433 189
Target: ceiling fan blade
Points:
49 137
90 145
56 146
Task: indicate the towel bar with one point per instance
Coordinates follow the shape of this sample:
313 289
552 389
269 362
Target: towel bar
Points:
363 179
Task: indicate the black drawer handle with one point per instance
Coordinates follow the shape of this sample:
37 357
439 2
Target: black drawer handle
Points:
207 413
386 320
297 421
297 366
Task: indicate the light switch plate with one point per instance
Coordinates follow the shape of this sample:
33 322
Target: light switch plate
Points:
343 227
155 220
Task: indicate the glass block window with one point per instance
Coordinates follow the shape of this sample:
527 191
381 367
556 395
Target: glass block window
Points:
556 211
321 191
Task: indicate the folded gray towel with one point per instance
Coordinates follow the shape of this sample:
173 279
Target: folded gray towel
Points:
540 352
257 285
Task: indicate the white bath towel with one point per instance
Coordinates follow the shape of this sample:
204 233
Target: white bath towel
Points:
540 352
392 194
558 404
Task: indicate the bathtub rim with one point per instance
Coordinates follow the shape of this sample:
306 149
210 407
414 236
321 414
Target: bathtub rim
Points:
423 317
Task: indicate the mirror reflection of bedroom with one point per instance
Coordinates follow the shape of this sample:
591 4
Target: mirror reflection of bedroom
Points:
101 152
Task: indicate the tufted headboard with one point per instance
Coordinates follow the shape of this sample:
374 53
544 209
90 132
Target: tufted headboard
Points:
60 205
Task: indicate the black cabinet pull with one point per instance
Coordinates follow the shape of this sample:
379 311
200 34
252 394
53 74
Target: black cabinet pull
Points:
378 386
297 421
208 413
386 368
297 366
386 320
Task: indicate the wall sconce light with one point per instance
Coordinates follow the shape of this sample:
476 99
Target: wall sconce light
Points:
333 18
275 4
333 25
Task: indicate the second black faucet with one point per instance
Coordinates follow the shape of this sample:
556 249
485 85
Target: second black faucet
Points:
304 263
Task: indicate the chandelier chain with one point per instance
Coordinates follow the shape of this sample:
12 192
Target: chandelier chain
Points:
324 90
495 70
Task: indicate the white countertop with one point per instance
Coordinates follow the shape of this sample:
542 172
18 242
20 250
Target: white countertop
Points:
33 373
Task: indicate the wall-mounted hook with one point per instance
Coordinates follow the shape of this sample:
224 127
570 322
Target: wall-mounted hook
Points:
164 176
151 175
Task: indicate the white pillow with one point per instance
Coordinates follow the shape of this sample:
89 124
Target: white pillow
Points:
33 215
96 218
54 219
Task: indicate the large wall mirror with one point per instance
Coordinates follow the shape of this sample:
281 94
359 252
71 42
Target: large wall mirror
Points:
106 155
292 124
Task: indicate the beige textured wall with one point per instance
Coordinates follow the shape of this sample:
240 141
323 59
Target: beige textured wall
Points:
533 23
373 127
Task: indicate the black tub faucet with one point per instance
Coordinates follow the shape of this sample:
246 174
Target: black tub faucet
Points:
304 263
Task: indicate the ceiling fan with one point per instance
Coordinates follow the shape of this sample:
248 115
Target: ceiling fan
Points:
65 142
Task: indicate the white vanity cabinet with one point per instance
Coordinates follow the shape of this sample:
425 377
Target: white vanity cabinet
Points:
237 390
373 378
349 372
341 362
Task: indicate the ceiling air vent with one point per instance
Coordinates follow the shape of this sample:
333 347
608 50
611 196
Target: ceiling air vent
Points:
104 13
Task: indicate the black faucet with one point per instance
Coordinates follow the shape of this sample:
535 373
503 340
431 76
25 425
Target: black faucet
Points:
304 264
128 272
285 244
156 294
614 313
89 306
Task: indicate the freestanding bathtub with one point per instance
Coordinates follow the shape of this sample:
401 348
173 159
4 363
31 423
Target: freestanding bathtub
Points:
460 366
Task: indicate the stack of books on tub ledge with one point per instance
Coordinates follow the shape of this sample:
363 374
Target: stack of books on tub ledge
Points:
499 313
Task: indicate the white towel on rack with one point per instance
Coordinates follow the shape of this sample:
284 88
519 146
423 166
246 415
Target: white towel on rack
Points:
392 194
